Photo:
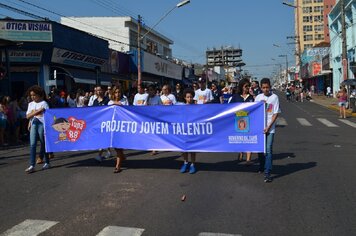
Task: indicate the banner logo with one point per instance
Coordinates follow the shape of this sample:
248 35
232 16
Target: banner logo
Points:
69 129
242 122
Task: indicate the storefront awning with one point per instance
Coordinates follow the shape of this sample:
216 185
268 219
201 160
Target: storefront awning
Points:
87 81
87 77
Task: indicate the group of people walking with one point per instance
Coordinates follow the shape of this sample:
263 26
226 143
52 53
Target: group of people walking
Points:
148 96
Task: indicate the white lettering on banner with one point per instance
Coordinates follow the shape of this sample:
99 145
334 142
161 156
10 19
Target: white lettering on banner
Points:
192 128
243 139
118 126
156 127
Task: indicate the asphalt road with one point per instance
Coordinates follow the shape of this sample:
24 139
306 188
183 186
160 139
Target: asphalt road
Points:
313 192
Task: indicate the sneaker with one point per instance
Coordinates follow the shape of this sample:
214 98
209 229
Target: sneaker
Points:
30 169
99 159
267 179
184 168
108 154
46 166
192 169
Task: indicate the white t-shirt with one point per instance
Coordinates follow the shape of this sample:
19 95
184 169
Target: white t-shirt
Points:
123 101
91 100
169 99
272 107
80 102
140 99
36 106
203 96
153 101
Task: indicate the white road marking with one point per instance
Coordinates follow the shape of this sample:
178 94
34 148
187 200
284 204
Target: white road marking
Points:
304 122
352 124
327 123
120 231
217 234
281 121
29 227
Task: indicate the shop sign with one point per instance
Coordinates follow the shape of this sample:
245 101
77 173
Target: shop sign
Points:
24 56
158 66
316 68
63 56
26 31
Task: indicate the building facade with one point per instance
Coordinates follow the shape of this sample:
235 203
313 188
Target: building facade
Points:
335 24
228 59
311 22
49 54
156 60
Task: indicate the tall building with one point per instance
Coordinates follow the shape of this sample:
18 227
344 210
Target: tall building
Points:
311 24
228 59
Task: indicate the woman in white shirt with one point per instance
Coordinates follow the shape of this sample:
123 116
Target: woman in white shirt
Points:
35 113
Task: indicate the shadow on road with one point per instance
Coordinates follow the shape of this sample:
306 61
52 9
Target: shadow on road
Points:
283 170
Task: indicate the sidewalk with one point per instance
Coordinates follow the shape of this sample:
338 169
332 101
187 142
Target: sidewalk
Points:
331 103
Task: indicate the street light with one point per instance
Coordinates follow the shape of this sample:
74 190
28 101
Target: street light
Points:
139 38
286 56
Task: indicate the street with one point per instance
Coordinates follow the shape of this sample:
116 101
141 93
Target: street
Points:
313 190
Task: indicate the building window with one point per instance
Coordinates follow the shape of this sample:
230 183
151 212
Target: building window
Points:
307 9
307 19
319 37
307 28
318 9
318 1
307 1
133 38
318 28
318 18
308 45
308 37
151 46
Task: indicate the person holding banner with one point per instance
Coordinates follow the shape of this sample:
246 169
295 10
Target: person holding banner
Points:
34 113
101 100
272 110
117 98
153 100
243 95
189 100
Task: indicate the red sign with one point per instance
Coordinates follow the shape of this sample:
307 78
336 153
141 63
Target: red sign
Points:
316 68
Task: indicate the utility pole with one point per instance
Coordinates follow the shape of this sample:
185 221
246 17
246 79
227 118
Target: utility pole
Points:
139 50
344 45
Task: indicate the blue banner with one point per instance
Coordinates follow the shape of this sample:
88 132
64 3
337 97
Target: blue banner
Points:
234 127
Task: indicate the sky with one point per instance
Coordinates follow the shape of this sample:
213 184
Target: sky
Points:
259 27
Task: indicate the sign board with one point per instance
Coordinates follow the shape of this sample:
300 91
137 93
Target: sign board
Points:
63 56
23 56
158 66
28 31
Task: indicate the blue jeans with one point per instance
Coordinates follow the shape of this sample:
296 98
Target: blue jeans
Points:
266 158
37 131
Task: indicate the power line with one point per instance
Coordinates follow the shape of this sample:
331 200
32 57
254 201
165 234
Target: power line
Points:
22 12
61 15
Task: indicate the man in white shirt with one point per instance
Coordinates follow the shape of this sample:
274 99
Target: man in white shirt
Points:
272 110
203 95
141 97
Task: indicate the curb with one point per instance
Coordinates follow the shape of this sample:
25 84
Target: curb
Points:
336 108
